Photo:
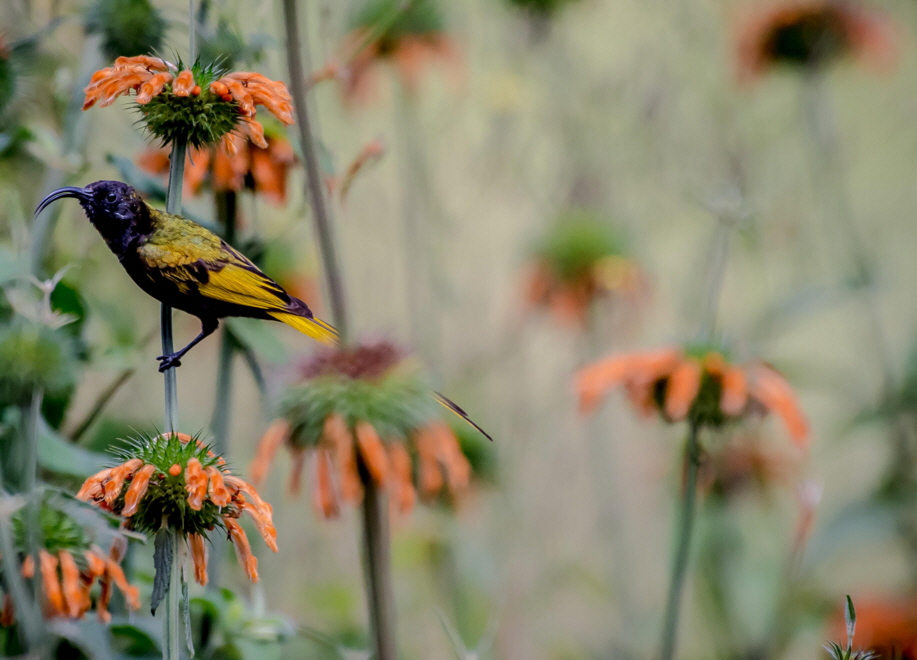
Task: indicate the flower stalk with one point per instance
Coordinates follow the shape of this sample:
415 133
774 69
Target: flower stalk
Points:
377 558
320 214
173 205
171 650
683 543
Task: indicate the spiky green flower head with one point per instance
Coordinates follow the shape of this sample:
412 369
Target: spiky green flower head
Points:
576 243
390 21
127 27
706 410
177 470
200 119
373 383
34 356
59 530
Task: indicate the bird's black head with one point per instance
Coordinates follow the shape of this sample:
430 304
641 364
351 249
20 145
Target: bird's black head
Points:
113 207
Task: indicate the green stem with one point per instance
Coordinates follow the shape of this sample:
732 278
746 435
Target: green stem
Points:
171 648
173 205
377 558
683 544
320 214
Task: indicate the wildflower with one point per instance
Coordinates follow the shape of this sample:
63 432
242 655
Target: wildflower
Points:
887 626
127 27
34 356
697 384
201 105
409 35
245 166
174 481
578 262
70 565
366 415
811 34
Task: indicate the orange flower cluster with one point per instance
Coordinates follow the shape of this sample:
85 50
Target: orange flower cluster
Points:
264 169
812 33
210 496
569 299
149 77
706 388
342 452
66 588
886 626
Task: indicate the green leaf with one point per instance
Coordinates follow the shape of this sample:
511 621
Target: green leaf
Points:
56 454
850 617
133 641
162 564
258 337
186 614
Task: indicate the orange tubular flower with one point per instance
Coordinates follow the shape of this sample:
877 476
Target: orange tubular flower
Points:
810 34
360 413
198 104
697 385
178 474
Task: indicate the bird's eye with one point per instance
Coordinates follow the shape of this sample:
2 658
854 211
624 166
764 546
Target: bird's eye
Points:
111 198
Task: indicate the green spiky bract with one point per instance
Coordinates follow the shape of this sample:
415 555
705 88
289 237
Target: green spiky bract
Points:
34 357
127 27
58 531
166 498
396 404
578 240
396 19
200 120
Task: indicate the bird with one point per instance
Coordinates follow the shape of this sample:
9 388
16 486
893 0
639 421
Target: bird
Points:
186 266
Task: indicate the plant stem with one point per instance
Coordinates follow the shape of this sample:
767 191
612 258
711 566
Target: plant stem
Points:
320 215
173 205
171 648
683 543
376 555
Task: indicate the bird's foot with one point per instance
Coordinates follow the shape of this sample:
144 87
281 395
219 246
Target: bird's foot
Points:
167 362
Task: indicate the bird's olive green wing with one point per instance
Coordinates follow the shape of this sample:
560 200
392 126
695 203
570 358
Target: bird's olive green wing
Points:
197 261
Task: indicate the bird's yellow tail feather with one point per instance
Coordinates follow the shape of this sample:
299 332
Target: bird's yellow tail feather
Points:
315 328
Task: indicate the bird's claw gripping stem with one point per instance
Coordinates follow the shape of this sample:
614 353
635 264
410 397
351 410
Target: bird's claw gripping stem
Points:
167 362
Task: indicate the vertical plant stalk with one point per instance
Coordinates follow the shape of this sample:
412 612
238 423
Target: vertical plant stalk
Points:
321 218
713 285
171 648
683 543
376 540
377 571
173 205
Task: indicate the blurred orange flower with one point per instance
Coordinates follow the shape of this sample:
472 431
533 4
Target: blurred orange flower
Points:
695 384
887 626
263 170
746 463
810 34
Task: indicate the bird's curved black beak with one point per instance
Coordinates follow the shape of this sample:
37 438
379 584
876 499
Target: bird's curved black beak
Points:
70 191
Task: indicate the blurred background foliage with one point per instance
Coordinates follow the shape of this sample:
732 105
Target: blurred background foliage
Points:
635 128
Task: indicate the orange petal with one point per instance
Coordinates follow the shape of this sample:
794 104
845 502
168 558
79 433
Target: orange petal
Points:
241 486
219 493
683 386
372 451
299 461
153 87
243 549
325 498
183 84
198 547
264 525
255 132
456 466
50 583
430 473
8 615
72 585
403 491
131 593
734 396
276 434
137 490
28 567
196 484
92 487
117 477
336 432
772 390
96 563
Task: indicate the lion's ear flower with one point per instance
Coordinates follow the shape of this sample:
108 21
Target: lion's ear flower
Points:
695 384
174 481
200 105
365 416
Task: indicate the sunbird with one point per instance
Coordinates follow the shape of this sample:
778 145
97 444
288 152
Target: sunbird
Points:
188 267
